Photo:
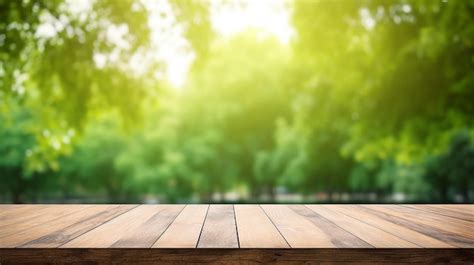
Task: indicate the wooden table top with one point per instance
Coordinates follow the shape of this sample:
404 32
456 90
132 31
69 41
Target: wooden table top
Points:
237 226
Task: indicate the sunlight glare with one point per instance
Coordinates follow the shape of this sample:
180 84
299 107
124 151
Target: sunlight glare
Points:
268 16
227 17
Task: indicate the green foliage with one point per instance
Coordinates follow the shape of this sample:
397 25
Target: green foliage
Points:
194 17
370 98
50 50
450 173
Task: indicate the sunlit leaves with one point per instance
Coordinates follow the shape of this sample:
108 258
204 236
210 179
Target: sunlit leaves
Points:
369 96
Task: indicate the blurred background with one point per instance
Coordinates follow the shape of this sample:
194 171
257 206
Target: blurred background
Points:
175 101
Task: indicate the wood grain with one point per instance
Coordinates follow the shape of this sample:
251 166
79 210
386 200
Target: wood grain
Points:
139 227
339 237
43 216
403 232
373 235
219 230
148 232
467 214
12 211
455 226
50 227
255 228
298 231
283 233
185 230
27 214
87 222
236 256
463 208
449 238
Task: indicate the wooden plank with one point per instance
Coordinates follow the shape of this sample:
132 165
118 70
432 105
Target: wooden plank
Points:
27 213
255 229
298 231
442 235
236 256
452 225
463 208
446 211
373 235
13 211
89 220
32 233
219 230
403 232
338 236
137 228
147 233
185 230
246 226
460 208
38 218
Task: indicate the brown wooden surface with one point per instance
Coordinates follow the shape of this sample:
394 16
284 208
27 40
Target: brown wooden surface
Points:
219 230
256 230
235 256
184 232
247 233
